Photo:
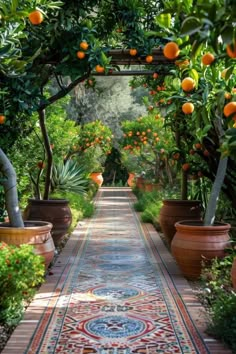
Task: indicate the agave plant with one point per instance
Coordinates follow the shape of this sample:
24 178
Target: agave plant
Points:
69 177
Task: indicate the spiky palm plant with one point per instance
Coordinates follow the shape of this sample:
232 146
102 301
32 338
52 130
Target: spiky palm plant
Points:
70 177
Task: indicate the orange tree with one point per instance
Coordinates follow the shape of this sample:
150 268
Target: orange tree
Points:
92 144
200 90
60 39
146 138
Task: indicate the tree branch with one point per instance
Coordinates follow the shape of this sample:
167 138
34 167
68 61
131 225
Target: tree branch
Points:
63 92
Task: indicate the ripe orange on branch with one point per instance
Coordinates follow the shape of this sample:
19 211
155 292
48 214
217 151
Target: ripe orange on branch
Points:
133 52
2 119
80 55
99 69
84 45
188 108
185 166
207 59
36 17
231 50
171 50
149 58
229 108
188 84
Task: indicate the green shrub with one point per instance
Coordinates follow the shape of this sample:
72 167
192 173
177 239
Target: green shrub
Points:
151 212
21 271
216 276
223 319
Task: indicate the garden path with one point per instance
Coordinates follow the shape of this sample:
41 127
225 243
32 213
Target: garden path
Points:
114 289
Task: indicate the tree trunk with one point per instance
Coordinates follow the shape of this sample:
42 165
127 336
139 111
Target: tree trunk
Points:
9 185
184 185
214 196
48 153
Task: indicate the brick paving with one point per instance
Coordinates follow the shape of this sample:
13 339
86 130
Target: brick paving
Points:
26 330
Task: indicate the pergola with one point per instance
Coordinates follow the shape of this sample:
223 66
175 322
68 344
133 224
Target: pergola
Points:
122 57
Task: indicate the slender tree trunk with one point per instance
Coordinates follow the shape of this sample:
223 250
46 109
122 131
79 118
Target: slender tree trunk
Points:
48 153
214 196
11 197
184 186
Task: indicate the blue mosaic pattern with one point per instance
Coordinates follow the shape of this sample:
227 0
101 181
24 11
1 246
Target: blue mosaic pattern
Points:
115 327
117 293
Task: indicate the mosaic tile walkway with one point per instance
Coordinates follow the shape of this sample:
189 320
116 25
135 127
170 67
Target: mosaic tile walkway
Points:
115 289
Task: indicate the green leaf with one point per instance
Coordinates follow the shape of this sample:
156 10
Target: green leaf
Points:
190 26
227 34
163 20
194 74
231 132
196 48
5 49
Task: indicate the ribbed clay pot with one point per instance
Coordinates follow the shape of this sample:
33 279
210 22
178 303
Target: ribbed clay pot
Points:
35 233
193 241
233 273
131 179
97 178
174 210
55 211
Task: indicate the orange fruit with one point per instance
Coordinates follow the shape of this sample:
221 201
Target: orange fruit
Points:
176 156
228 96
231 50
234 89
207 59
155 75
188 84
206 153
133 52
186 166
149 58
198 146
99 69
36 17
188 108
229 108
80 55
84 45
2 119
171 50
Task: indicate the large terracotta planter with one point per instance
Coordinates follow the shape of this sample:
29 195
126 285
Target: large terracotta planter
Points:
131 180
233 273
174 210
97 178
56 211
35 233
140 183
193 241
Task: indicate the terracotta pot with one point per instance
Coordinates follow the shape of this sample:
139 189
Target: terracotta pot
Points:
97 178
176 210
150 187
131 179
56 211
193 241
233 273
140 183
35 233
